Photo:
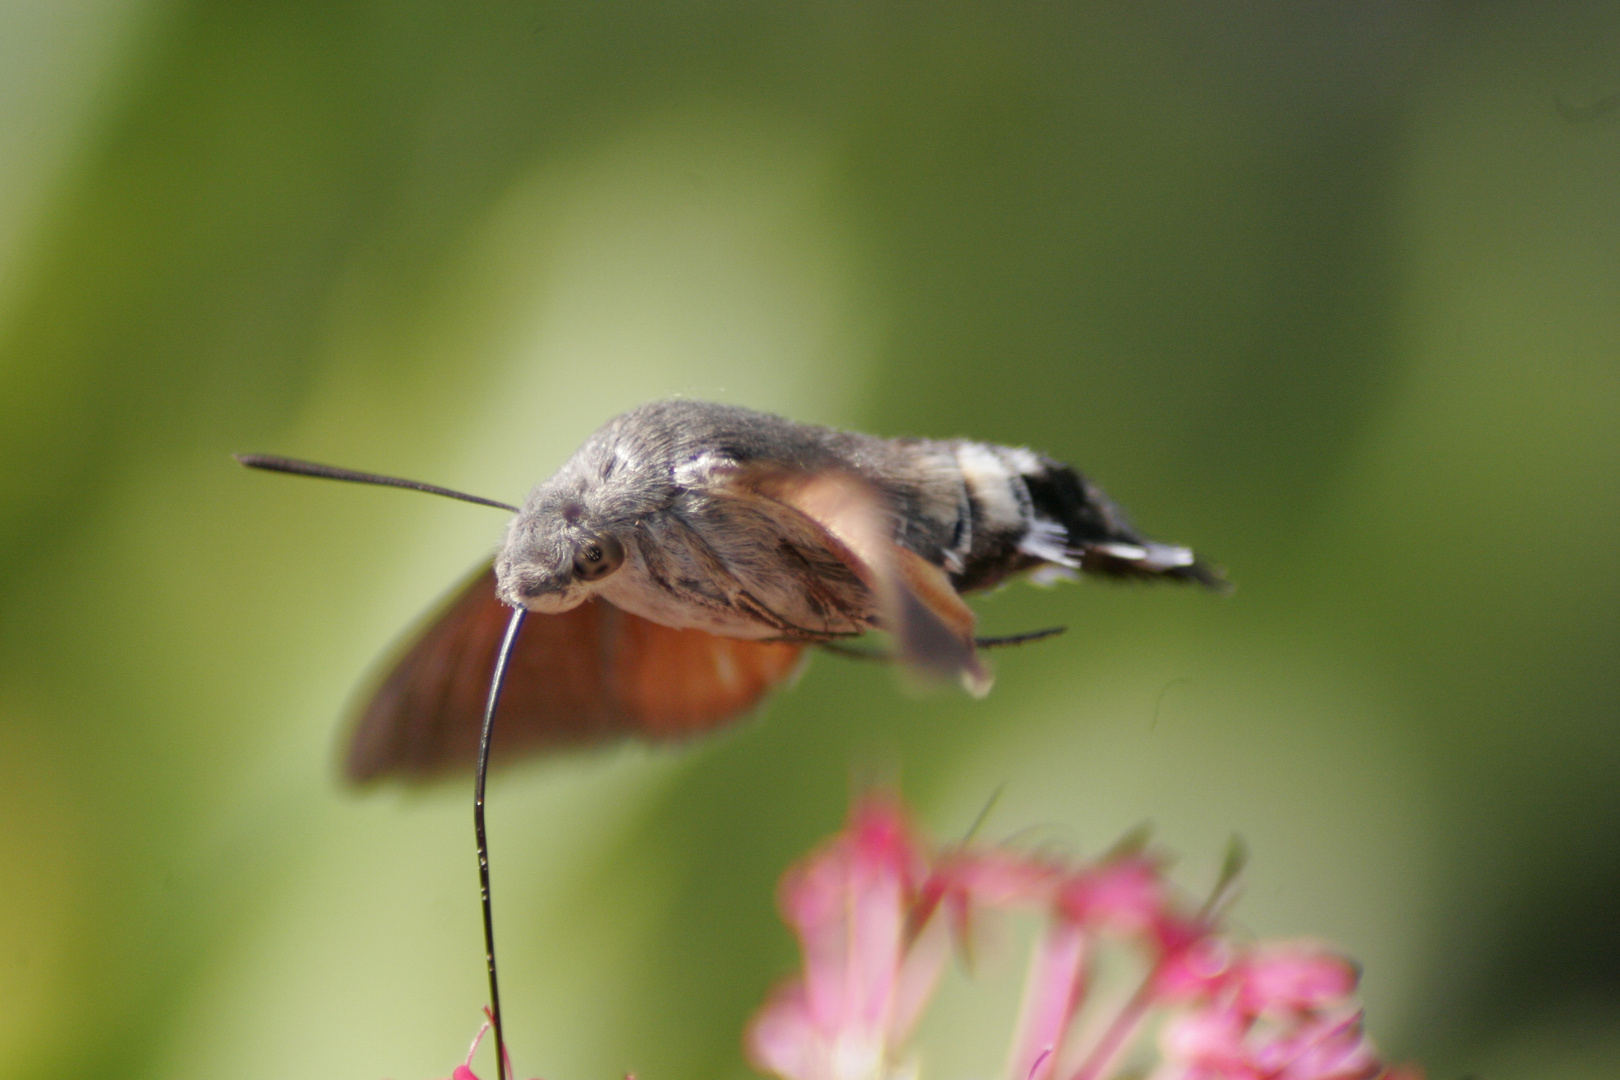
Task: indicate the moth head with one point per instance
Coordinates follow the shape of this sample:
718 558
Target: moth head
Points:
556 552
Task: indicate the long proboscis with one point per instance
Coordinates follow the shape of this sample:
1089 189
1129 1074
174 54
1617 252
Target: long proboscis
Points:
484 739
272 463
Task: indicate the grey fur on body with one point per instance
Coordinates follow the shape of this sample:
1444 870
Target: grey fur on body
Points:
658 486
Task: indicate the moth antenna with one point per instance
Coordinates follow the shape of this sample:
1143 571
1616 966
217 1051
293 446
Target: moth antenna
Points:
495 683
271 463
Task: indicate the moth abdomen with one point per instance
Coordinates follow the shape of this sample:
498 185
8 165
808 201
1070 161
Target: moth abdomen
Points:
1025 510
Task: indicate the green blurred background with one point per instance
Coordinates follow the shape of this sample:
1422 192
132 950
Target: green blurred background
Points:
1330 291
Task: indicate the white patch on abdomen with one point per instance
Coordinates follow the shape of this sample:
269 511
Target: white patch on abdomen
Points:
990 481
1023 460
1047 540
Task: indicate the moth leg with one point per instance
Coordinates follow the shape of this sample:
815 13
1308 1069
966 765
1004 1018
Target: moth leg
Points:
1019 639
884 656
855 652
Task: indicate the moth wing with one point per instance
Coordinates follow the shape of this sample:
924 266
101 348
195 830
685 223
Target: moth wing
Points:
932 626
588 675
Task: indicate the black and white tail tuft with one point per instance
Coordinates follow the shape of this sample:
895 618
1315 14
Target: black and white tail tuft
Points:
1099 535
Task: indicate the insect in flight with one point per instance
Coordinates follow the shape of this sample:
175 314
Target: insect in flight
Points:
688 553
685 557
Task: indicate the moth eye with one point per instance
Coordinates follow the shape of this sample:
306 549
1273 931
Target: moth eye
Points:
599 558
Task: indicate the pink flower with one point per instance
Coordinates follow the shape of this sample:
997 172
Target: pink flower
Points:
876 913
1296 976
1054 989
1124 896
464 1070
1281 1010
1223 1042
867 972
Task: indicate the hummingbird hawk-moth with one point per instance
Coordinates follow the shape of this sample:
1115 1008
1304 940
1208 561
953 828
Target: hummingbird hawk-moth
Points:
677 567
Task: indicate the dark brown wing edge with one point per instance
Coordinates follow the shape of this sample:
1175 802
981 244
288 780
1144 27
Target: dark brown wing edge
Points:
586 676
